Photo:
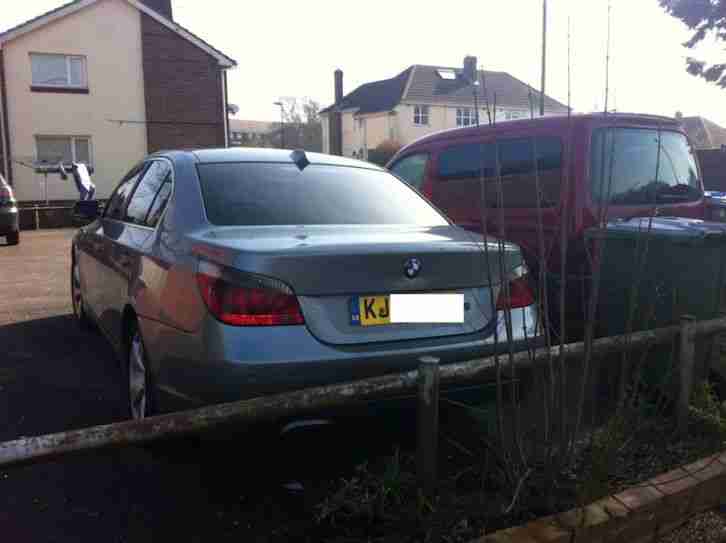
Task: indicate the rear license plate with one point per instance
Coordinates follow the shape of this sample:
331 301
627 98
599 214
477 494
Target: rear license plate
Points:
370 310
430 308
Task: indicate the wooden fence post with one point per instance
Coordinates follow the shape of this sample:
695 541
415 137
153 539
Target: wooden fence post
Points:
428 423
713 356
687 359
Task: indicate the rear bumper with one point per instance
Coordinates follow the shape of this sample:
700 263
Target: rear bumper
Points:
8 220
224 363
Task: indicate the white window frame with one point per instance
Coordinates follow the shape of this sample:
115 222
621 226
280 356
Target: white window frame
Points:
465 116
73 145
421 115
68 84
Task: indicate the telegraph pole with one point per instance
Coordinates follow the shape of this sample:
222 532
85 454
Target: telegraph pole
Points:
544 57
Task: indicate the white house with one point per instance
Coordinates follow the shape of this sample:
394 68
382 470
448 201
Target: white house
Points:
425 99
104 82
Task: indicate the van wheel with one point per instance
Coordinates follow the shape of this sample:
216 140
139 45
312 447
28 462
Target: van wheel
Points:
142 395
13 238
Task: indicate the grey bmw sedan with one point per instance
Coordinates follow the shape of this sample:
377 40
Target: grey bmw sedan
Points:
219 275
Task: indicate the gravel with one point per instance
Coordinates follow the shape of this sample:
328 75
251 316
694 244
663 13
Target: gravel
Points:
707 528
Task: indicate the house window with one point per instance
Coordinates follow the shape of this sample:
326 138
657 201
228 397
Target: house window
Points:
421 115
465 116
61 71
66 149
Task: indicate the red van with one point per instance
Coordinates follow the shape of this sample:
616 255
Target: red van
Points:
611 161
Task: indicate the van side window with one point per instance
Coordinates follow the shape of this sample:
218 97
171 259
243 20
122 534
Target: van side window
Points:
411 169
465 161
516 157
516 167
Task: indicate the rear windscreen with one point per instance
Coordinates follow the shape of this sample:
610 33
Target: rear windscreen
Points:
261 194
635 166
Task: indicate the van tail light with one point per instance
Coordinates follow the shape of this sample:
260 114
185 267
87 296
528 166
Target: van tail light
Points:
243 299
520 294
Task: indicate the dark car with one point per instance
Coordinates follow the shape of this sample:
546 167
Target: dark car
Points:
9 225
224 274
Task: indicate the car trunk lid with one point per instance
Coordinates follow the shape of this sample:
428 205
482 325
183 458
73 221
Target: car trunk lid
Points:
329 266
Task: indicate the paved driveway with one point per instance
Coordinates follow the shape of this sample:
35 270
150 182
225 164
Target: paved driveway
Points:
54 377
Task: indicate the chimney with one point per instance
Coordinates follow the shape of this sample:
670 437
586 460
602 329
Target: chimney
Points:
470 69
338 85
162 7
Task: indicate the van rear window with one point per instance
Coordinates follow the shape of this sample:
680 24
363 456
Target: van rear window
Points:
636 166
516 160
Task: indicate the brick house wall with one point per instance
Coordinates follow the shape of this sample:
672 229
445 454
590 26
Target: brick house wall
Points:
183 91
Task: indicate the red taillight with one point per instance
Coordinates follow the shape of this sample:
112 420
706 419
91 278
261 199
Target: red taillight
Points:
520 295
247 305
6 193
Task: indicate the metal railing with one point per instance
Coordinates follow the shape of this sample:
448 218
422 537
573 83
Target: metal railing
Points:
426 379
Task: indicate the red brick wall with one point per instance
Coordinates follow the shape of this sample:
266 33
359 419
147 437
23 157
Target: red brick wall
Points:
183 90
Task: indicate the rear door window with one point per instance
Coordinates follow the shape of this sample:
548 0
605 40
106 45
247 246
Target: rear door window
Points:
516 160
634 166
146 191
412 169
261 194
159 203
466 161
116 207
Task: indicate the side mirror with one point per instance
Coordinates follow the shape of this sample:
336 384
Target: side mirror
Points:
85 211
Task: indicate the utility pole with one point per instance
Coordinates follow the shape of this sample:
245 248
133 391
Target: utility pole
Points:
544 57
282 123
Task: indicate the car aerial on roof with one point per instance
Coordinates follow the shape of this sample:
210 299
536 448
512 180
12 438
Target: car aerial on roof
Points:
220 275
9 224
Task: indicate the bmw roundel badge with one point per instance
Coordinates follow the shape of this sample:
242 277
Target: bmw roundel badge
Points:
411 267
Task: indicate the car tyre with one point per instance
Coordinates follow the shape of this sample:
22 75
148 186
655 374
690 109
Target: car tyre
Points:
13 238
141 390
79 309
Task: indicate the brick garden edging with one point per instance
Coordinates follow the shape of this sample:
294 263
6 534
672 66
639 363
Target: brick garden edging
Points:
637 514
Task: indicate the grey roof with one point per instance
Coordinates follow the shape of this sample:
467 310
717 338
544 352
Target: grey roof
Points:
420 83
376 96
704 134
428 86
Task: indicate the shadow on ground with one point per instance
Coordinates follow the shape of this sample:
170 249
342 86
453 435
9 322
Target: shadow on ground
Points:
225 485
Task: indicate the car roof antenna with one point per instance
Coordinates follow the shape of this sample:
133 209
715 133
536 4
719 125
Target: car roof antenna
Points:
300 159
